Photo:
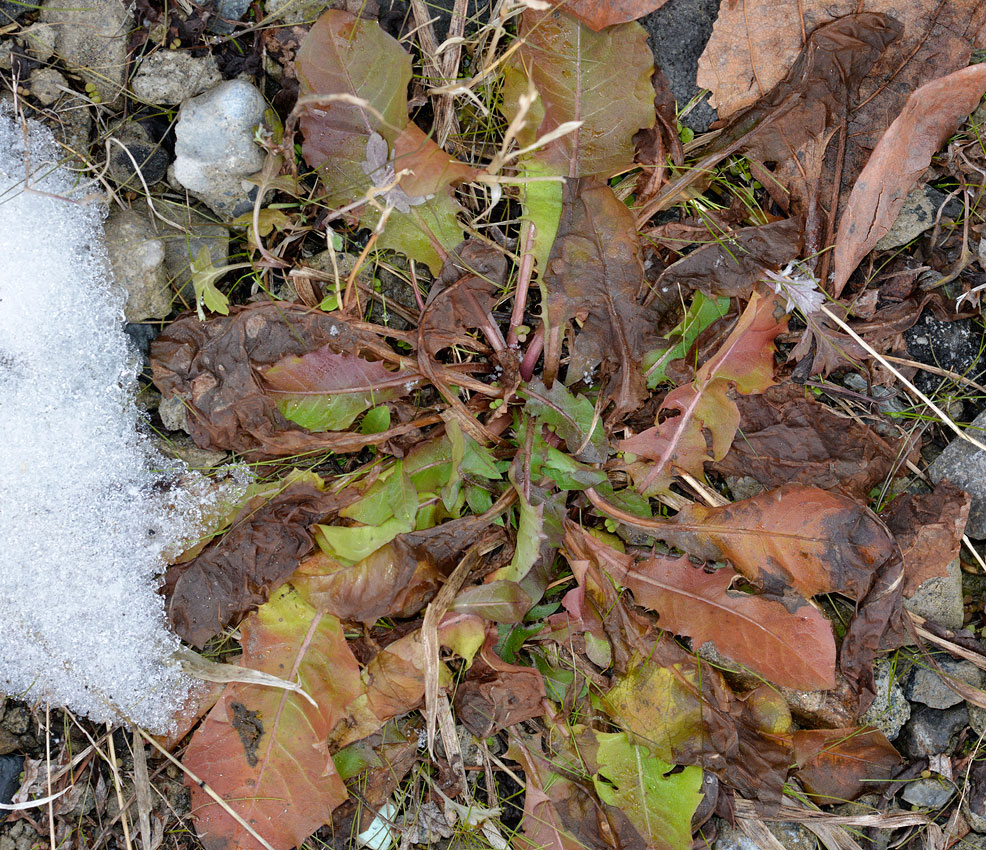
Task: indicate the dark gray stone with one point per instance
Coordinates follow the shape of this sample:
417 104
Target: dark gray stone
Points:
227 13
931 793
678 32
956 346
926 686
917 215
890 710
965 466
931 731
10 771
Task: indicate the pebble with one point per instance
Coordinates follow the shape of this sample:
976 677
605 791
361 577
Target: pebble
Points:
290 12
215 150
10 770
793 836
931 793
916 216
939 599
173 413
227 12
39 41
137 147
926 686
890 710
92 38
171 76
136 257
183 448
47 85
931 731
965 466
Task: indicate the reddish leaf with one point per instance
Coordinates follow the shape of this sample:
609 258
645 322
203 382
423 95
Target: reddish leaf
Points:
787 436
790 644
744 361
595 275
930 116
929 529
325 391
214 366
605 13
264 749
837 765
238 571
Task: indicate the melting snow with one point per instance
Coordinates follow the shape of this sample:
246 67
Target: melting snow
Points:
87 508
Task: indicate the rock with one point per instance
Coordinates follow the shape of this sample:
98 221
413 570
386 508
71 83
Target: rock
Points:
10 771
931 731
290 12
915 217
173 413
743 487
794 836
227 13
965 466
183 448
956 346
92 38
974 797
926 686
732 838
931 793
137 260
19 836
47 85
136 147
39 41
890 710
11 12
678 32
977 720
171 76
939 599
215 150
182 245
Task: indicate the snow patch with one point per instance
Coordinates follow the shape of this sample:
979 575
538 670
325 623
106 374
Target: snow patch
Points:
88 510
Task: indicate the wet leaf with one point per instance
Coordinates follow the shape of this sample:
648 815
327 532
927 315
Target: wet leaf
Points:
930 116
929 529
697 422
789 643
660 804
836 765
215 366
261 549
358 134
263 749
595 275
572 417
787 436
600 15
325 391
204 277
701 313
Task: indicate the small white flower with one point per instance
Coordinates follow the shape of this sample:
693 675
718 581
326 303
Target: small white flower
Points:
800 287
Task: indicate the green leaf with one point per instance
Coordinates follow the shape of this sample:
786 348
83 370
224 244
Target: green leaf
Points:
498 601
376 420
701 313
571 416
658 803
568 473
204 277
528 547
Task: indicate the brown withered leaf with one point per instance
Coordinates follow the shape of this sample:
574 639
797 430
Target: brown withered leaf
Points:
730 265
496 694
600 15
214 366
239 571
929 529
838 765
788 437
930 116
463 295
656 145
594 274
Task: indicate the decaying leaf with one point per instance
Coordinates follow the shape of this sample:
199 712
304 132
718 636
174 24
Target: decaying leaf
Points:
697 422
789 643
930 116
838 765
600 15
215 367
355 78
594 275
929 529
264 750
787 436
262 548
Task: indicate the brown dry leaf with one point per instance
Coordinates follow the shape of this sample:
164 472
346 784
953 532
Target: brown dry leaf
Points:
930 116
786 436
597 14
730 265
929 529
238 571
496 694
594 275
838 765
214 366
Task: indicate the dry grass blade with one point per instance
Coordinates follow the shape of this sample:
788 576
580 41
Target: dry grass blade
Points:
142 788
790 812
434 613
